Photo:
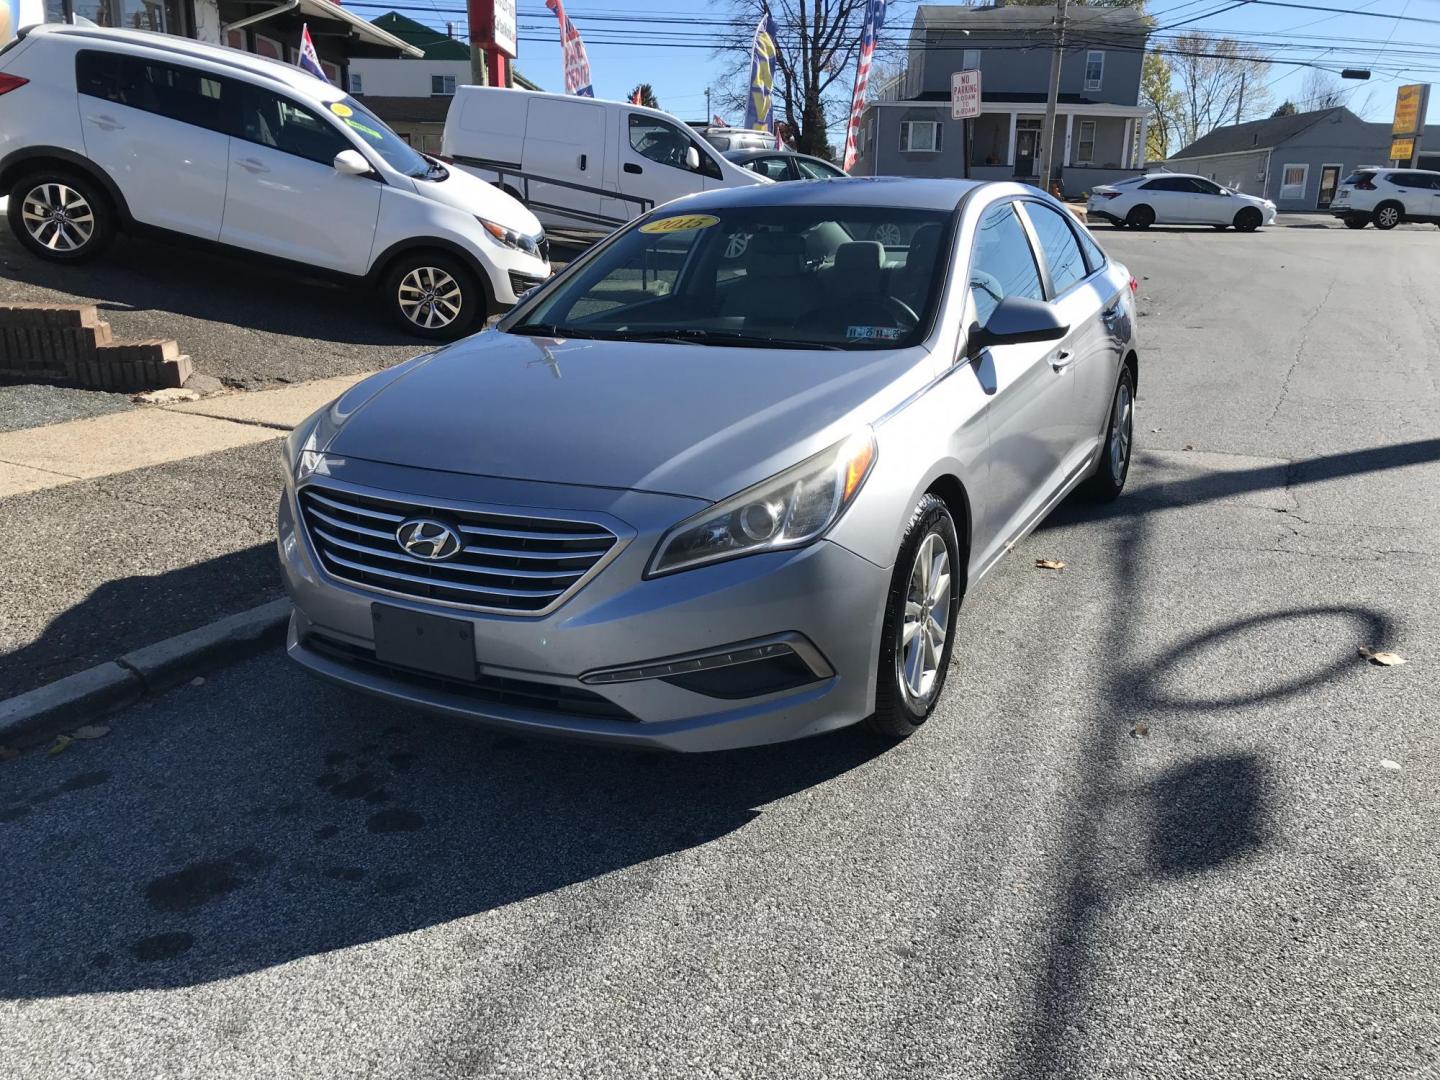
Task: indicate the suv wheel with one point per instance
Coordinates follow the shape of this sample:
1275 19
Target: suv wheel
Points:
1388 215
60 216
920 614
433 296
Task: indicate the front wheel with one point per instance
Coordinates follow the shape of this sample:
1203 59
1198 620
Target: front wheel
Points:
433 296
1387 215
61 216
1249 219
1109 479
920 612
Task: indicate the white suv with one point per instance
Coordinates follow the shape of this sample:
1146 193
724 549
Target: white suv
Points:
1387 197
109 130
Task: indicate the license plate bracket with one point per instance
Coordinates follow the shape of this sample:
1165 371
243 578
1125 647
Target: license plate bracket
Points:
429 643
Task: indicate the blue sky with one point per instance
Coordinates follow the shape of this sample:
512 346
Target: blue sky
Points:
680 75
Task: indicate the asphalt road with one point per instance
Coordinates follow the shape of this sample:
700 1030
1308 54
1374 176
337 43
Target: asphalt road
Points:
1167 824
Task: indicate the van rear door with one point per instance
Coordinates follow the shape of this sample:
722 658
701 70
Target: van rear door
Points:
564 162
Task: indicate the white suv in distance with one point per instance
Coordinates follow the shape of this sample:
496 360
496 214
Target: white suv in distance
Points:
1387 197
110 130
1168 198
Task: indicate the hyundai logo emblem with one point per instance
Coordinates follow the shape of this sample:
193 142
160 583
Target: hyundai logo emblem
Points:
428 539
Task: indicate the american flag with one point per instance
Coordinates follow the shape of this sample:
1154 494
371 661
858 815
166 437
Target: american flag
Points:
874 20
572 49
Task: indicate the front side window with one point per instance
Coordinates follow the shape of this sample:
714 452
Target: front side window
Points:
763 276
662 142
1085 148
179 93
1057 241
443 85
773 167
1094 69
1003 264
1292 181
1204 187
920 136
374 133
817 170
281 124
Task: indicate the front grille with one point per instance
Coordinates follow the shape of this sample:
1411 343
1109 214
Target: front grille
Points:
509 563
489 689
520 283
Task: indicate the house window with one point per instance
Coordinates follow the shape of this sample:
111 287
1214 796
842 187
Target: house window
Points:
265 46
442 84
357 83
1085 148
1094 69
920 135
332 72
970 59
1292 181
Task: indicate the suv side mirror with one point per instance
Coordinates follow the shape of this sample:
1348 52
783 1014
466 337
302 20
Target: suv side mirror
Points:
1016 320
692 159
351 163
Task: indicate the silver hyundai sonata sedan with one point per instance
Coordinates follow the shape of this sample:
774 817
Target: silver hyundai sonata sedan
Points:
725 480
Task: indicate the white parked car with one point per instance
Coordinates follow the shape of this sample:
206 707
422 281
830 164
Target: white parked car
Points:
103 131
580 163
1387 197
1168 198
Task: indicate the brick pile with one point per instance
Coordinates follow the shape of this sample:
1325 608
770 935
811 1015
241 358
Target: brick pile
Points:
70 345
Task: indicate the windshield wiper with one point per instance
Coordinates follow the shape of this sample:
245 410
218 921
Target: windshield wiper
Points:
554 330
688 335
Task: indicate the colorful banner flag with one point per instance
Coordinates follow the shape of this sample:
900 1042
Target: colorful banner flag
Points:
874 20
577 64
309 58
759 105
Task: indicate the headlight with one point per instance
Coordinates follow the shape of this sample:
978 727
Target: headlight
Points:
510 238
788 510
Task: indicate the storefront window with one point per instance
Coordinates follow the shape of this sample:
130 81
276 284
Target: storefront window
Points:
164 16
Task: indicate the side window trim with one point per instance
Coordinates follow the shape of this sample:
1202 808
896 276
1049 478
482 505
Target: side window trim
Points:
1043 261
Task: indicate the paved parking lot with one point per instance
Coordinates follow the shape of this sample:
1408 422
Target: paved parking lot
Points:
1167 823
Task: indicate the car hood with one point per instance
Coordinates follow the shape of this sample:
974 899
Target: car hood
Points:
680 419
475 196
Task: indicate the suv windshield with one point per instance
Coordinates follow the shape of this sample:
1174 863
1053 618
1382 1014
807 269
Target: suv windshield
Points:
398 154
847 277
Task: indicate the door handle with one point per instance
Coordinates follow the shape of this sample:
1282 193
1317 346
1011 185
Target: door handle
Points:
1062 359
253 166
631 167
582 162
106 123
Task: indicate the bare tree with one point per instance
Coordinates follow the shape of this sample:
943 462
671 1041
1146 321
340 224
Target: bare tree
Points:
1167 108
814 71
1220 81
1320 90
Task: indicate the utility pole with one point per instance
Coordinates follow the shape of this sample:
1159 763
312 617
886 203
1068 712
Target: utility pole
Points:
708 114
1047 132
1240 105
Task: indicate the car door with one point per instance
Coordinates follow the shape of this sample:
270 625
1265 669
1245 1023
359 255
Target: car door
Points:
285 197
1031 400
1208 204
564 158
160 131
1163 196
652 160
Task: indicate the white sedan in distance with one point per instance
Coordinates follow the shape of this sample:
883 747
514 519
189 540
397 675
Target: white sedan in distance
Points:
1177 199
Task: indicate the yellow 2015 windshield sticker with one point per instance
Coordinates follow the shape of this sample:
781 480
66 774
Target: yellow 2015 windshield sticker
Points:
340 109
683 223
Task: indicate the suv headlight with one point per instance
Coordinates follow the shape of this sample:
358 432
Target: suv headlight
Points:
511 238
791 509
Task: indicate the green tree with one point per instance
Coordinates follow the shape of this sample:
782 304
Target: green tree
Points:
1287 109
1165 105
644 94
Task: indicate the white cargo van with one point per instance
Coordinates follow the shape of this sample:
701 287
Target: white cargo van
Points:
579 163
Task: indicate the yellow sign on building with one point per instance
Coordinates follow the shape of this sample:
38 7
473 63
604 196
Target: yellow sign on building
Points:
1408 100
1402 150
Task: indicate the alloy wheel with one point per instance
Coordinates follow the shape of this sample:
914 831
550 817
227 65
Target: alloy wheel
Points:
429 297
1388 217
57 217
1121 431
926 625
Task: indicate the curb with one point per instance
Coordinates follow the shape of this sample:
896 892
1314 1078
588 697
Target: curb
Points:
32 717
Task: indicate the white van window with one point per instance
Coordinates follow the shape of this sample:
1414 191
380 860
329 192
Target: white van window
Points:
665 143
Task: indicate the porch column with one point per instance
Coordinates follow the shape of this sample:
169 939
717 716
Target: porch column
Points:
1010 146
1127 146
1069 127
1143 142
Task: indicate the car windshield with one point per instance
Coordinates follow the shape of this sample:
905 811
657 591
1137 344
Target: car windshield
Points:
398 154
843 277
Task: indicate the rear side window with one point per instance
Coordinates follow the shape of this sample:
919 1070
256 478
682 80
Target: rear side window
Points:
1004 264
774 168
178 93
1057 241
814 170
279 123
1356 177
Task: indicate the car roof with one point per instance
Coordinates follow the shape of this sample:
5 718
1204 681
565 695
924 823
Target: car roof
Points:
760 151
890 191
292 77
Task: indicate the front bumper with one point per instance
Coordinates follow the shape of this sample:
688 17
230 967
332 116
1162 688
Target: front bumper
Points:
824 597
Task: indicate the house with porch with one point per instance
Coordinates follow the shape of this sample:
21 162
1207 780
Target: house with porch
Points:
1100 124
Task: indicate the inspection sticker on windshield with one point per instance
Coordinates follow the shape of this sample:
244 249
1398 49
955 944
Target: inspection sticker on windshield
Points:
365 130
340 109
680 224
873 333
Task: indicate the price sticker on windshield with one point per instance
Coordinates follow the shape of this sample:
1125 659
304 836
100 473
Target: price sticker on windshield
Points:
680 224
340 109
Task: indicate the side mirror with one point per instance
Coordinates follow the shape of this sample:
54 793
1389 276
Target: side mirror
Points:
692 159
1016 320
351 163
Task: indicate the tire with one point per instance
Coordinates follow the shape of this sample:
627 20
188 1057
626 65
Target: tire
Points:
907 691
1355 221
1140 217
52 208
432 285
1249 219
1109 479
1387 215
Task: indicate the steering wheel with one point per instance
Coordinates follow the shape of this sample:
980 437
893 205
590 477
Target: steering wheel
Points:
859 312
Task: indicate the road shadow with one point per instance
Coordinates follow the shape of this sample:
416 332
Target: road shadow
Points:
216 840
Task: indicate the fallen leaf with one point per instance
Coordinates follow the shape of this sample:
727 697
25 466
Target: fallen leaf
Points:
62 743
1049 564
1140 731
1383 659
1386 763
8 752
1187 446
90 731
198 680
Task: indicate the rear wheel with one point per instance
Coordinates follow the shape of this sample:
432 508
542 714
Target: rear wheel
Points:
1249 219
61 216
434 296
1140 217
920 613
1109 479
1388 215
1356 221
